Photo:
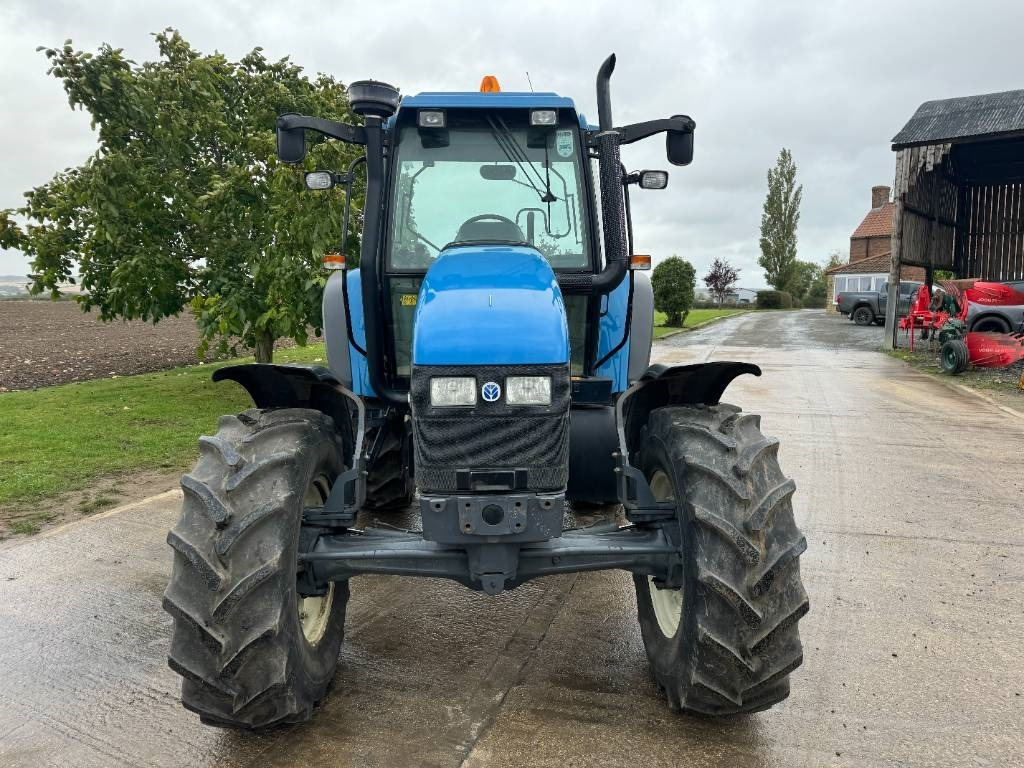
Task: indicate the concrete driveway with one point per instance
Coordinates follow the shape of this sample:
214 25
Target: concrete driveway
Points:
910 497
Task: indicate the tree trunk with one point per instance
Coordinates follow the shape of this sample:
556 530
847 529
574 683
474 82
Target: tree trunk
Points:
264 347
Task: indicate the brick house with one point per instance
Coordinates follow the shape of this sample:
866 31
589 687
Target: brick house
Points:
870 250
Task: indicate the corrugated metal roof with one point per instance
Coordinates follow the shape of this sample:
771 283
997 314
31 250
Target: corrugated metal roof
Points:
967 116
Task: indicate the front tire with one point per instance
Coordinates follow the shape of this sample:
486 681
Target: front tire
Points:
725 642
252 653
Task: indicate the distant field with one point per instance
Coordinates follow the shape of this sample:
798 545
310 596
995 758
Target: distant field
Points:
54 342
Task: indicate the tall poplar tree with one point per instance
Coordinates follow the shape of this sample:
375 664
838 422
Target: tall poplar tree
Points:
779 220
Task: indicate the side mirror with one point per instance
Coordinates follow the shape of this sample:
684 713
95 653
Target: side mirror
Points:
679 147
291 142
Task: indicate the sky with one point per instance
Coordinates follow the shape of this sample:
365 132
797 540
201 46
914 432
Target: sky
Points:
832 81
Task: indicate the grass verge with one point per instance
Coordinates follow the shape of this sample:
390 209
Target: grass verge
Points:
695 318
58 440
1002 381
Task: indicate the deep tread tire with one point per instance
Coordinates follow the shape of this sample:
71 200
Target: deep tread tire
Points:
863 316
389 487
238 642
737 639
954 356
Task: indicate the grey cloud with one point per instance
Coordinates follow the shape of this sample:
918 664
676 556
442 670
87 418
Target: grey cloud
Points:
831 81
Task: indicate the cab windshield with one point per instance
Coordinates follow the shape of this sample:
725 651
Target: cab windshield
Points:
488 177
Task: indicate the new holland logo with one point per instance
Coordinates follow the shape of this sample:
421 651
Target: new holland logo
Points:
490 392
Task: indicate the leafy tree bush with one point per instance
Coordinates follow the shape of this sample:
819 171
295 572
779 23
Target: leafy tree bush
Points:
774 300
808 284
673 281
184 204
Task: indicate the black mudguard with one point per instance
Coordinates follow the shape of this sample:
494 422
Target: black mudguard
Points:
592 441
661 385
294 386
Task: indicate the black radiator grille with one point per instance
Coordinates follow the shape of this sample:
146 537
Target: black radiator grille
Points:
491 436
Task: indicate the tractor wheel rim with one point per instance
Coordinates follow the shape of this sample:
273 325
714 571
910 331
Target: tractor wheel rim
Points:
667 603
315 612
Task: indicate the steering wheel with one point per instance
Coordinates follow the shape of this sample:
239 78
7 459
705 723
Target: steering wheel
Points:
488 226
489 217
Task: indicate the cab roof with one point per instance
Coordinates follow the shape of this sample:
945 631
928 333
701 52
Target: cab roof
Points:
486 100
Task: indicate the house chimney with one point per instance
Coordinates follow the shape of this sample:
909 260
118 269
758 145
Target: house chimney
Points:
879 196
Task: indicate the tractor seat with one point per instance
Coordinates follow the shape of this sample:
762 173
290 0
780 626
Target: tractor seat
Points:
497 230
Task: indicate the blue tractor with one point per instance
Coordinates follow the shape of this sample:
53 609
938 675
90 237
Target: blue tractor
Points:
489 372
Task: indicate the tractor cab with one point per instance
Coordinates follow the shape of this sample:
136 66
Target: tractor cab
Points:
485 169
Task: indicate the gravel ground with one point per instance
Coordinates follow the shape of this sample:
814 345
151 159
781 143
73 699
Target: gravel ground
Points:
54 342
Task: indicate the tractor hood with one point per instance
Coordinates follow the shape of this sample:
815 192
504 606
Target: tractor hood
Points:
490 305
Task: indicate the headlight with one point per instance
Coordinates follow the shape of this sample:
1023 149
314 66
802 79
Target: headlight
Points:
528 390
430 118
543 117
453 390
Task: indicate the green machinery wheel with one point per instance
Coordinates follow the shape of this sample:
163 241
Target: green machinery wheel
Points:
954 356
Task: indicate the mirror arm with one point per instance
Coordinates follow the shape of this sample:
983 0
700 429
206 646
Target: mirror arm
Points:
638 131
353 134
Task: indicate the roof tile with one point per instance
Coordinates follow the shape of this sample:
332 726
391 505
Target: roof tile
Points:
870 266
878 223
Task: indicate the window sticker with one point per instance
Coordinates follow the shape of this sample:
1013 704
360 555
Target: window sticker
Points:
563 143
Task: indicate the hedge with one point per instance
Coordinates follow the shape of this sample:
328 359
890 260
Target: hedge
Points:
774 300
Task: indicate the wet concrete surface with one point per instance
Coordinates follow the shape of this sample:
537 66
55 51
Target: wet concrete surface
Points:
909 494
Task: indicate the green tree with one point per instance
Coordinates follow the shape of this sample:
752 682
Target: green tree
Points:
673 281
835 259
779 220
184 204
807 278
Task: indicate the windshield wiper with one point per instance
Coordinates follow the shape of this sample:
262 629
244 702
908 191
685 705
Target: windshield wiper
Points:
514 152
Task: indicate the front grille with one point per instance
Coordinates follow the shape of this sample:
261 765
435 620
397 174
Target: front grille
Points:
491 436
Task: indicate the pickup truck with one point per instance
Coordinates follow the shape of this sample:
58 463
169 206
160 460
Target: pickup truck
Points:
998 318
867 307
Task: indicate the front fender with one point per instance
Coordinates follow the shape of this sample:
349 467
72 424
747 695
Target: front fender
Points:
294 386
698 384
